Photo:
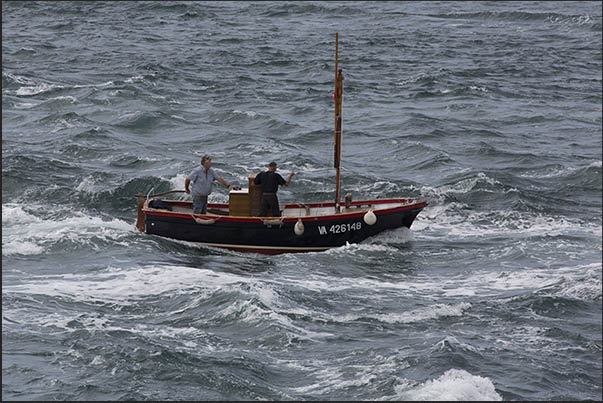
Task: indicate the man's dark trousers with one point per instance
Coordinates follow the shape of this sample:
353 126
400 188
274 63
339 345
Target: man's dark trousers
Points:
269 202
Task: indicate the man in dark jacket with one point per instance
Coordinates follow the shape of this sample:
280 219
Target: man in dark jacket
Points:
270 182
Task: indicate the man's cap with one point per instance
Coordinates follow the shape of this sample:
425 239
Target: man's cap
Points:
205 158
272 164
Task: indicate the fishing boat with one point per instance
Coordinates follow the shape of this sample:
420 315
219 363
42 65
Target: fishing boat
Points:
302 227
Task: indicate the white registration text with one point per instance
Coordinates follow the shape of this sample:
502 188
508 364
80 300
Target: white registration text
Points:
340 228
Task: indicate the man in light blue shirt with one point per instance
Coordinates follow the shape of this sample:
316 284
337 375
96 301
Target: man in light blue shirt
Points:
202 178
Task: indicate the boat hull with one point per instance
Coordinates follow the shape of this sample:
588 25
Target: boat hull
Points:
277 235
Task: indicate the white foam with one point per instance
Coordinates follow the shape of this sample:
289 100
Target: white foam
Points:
62 124
579 20
130 116
533 339
24 105
477 88
98 360
451 341
68 98
248 311
453 385
549 173
19 79
421 76
28 234
38 89
270 148
14 214
446 221
557 171
105 84
87 185
461 187
349 248
320 283
134 79
326 375
332 378
127 285
396 236
177 181
431 312
251 114
580 282
377 187
18 247
306 168
71 321
435 311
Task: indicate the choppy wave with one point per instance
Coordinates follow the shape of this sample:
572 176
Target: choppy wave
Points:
35 230
453 385
490 112
528 17
38 89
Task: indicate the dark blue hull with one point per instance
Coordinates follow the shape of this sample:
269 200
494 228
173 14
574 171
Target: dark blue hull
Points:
277 235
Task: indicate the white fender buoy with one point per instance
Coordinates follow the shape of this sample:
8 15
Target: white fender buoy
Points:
370 218
299 227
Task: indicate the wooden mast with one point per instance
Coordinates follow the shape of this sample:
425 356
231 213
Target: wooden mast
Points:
338 100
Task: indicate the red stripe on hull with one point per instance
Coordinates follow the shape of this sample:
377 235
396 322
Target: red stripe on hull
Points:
289 219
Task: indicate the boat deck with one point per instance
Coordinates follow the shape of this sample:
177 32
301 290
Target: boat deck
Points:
298 209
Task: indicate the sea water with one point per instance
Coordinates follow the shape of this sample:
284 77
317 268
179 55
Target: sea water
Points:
490 111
